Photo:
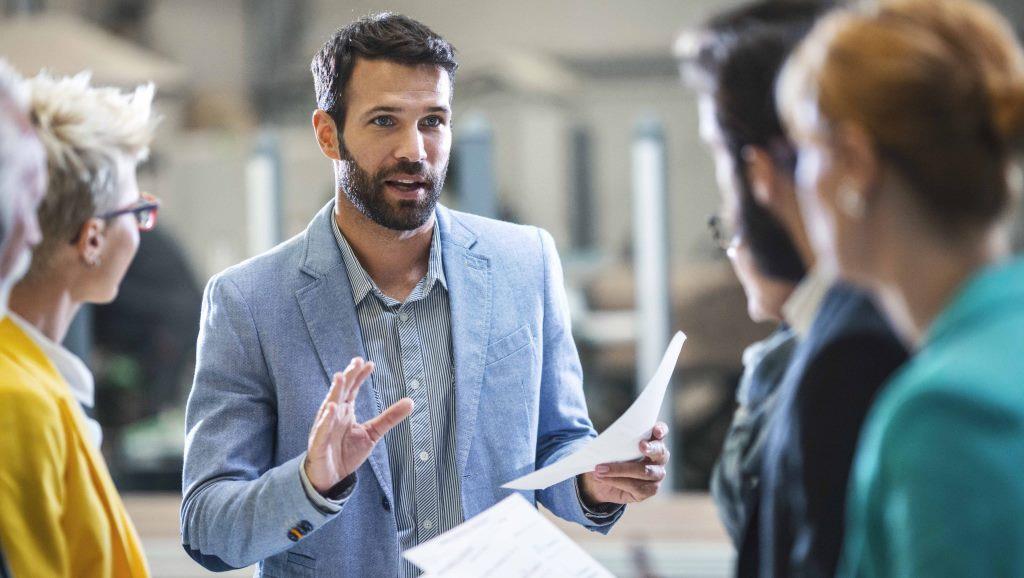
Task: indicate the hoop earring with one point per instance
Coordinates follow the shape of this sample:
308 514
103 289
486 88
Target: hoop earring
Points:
850 200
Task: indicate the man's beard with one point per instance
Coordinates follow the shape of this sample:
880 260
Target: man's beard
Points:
367 192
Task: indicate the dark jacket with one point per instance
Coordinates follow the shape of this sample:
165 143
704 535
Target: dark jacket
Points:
844 360
738 471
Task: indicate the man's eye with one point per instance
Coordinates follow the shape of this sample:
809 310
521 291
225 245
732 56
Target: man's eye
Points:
433 121
383 121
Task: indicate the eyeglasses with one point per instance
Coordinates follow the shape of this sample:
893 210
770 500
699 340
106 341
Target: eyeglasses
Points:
723 233
144 210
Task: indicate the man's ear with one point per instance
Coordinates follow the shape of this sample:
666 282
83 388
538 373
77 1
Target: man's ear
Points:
762 175
90 241
327 135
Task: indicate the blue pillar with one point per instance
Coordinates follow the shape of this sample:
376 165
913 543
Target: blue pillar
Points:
475 179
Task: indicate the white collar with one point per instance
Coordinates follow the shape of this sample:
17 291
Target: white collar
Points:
74 371
802 306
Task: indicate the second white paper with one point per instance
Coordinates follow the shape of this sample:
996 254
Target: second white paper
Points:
621 441
510 539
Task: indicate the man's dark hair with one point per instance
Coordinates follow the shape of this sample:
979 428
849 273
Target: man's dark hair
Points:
735 58
385 36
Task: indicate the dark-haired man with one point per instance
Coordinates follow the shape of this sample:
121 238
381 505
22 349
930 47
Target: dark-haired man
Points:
463 372
781 482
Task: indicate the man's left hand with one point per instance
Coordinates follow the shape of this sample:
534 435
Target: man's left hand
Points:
627 482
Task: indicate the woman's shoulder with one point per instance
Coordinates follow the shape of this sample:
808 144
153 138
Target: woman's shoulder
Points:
23 392
29 385
932 407
30 413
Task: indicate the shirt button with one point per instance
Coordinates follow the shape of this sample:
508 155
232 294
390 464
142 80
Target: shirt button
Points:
424 456
414 384
428 524
403 316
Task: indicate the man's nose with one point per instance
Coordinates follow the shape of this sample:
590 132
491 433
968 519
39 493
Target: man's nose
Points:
411 148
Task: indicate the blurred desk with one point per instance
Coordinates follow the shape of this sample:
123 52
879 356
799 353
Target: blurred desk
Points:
675 537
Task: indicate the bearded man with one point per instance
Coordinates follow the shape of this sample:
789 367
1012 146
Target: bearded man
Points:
463 372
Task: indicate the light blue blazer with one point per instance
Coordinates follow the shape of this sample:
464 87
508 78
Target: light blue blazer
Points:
275 327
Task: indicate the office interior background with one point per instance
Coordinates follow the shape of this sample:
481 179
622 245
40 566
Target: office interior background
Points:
567 115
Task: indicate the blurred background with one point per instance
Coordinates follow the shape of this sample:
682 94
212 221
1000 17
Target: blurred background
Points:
568 115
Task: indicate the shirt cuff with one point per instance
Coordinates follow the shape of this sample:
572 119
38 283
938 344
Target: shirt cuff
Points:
343 490
600 513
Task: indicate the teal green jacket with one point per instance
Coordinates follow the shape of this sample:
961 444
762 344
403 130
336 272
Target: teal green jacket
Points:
938 484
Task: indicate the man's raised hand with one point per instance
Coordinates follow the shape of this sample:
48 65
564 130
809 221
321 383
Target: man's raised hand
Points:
338 444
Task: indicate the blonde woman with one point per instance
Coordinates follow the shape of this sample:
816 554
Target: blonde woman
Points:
907 115
61 515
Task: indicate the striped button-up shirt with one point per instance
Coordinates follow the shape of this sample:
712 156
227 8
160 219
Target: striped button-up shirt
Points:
410 345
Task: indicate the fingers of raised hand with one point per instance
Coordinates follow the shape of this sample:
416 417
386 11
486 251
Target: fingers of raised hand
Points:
322 426
361 373
333 395
389 418
352 377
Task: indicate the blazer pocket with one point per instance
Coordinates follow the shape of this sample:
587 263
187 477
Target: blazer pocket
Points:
288 565
511 343
302 560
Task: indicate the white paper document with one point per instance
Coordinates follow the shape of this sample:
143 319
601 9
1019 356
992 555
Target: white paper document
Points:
621 441
509 540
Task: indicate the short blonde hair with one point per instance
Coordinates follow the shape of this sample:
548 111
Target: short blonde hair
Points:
938 85
85 130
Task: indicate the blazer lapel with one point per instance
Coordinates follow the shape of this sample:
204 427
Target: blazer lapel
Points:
328 309
469 294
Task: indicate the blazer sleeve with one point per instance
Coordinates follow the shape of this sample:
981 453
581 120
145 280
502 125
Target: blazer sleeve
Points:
847 375
237 508
34 449
564 423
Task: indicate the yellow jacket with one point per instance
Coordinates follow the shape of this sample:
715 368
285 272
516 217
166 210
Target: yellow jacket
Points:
60 514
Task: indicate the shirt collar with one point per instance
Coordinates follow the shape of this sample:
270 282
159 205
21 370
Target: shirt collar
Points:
802 306
70 367
435 268
363 284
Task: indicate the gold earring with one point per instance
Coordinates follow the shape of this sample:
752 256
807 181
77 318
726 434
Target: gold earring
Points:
851 202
